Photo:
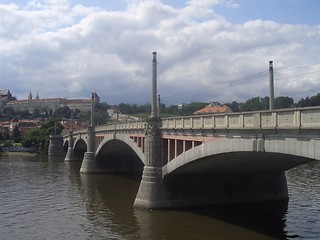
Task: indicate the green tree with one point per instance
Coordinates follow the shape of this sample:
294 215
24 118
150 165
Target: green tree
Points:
33 138
315 100
283 102
39 138
51 127
9 112
234 106
101 117
102 106
255 104
62 112
36 112
16 135
304 102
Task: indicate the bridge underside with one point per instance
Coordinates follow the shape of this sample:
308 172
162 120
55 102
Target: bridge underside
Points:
118 157
243 162
233 178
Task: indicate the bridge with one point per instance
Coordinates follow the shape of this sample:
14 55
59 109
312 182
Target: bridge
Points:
199 160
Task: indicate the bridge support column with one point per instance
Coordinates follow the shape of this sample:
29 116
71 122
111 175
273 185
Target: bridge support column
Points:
152 193
55 146
71 157
89 162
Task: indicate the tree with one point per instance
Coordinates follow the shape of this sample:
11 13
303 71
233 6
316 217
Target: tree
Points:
62 112
234 106
255 104
102 106
39 138
315 100
304 102
33 138
9 112
101 117
283 102
16 135
36 112
252 104
51 127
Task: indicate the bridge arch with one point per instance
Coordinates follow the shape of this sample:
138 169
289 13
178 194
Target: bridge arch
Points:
79 148
244 155
119 153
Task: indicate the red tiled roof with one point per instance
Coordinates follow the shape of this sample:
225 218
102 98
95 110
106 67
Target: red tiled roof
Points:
213 109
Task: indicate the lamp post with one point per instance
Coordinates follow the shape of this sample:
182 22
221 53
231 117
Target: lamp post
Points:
154 111
271 97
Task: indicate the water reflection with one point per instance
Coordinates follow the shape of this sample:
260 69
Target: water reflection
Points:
49 199
110 206
303 220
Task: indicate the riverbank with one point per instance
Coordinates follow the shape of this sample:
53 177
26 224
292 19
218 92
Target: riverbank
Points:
18 154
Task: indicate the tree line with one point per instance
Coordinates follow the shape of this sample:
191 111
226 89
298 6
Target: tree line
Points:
252 104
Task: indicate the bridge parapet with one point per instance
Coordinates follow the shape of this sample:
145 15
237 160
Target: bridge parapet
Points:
296 118
134 125
107 128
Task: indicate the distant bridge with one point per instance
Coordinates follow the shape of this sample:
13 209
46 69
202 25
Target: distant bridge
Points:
200 160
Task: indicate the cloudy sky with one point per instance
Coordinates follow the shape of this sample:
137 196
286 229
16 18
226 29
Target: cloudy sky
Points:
208 50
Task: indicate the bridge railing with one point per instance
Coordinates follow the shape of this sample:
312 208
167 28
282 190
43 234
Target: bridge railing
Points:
134 125
293 118
125 126
308 118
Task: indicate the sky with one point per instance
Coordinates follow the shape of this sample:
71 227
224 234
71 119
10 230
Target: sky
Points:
208 50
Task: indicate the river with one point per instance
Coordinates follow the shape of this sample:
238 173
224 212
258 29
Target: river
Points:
43 198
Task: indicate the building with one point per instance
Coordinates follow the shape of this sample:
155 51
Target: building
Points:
24 126
115 115
27 125
51 104
183 105
84 105
5 97
214 108
43 105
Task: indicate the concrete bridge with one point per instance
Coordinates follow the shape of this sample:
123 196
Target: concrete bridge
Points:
201 160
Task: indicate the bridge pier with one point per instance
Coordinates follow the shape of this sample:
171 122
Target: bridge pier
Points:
152 193
70 156
56 146
89 164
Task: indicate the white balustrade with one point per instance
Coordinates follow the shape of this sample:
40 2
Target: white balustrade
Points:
305 118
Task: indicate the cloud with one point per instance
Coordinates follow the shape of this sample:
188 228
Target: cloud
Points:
65 50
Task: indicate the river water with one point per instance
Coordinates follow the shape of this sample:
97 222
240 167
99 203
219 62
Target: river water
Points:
43 198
